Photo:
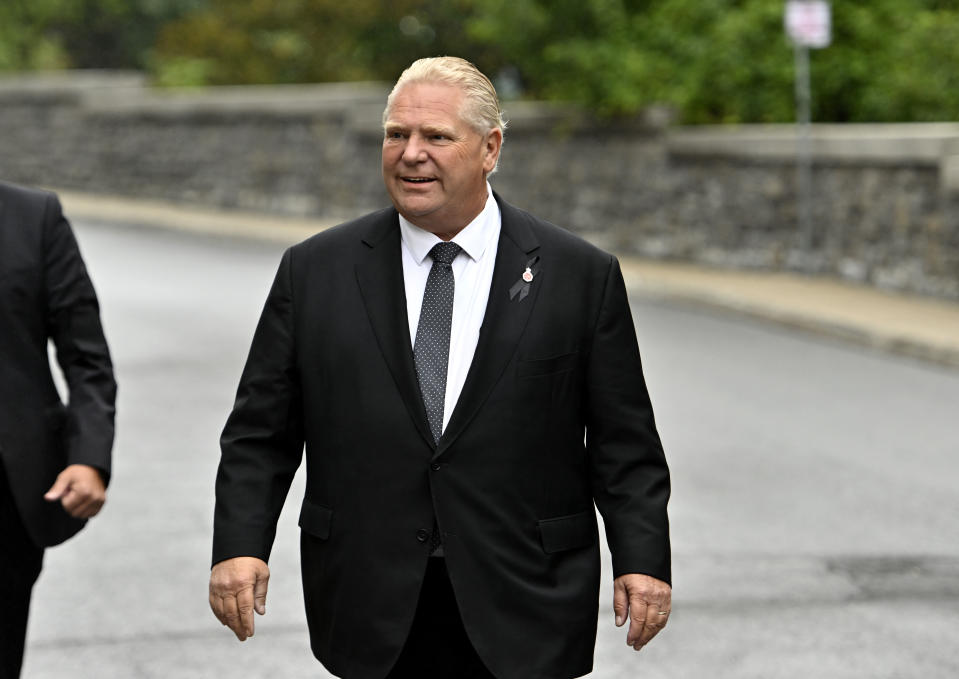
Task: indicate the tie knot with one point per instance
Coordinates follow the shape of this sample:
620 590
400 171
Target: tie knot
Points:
445 253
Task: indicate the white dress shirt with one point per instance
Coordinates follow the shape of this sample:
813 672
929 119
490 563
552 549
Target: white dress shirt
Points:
473 273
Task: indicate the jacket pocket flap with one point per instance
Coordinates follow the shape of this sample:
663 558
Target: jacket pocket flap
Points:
546 366
568 532
316 519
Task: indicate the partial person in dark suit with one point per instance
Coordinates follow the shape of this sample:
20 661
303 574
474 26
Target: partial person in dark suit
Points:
467 382
54 458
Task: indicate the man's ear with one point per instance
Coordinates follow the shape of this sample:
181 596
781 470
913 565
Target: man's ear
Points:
493 144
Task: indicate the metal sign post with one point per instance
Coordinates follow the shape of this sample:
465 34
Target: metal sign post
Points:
809 25
804 146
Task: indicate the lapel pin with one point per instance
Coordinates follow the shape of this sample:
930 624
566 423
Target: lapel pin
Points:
521 287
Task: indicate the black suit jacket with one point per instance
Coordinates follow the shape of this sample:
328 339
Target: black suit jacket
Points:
45 293
511 483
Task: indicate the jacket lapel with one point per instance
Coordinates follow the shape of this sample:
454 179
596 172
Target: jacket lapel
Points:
504 321
380 278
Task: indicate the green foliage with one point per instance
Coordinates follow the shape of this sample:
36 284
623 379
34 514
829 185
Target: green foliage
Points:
41 34
288 41
742 69
714 61
26 41
728 61
914 77
568 49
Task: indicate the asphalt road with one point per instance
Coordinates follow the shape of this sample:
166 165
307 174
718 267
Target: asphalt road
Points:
815 506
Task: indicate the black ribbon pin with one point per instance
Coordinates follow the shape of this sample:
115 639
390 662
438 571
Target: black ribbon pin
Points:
521 287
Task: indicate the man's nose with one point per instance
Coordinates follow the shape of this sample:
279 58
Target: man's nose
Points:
415 150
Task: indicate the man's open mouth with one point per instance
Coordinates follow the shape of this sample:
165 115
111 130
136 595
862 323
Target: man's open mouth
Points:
418 180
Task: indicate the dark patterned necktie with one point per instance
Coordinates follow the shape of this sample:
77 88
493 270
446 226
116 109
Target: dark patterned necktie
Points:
432 348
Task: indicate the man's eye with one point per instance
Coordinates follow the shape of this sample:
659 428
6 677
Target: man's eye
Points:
395 135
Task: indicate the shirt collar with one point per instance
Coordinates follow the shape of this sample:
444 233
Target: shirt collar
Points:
474 238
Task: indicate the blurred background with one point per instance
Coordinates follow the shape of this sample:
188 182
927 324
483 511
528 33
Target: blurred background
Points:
673 117
715 61
801 341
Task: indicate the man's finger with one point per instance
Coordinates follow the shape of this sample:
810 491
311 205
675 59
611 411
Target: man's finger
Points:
86 509
80 503
59 487
80 490
647 598
244 602
77 505
92 509
620 603
637 620
74 500
259 593
231 616
71 500
235 586
215 606
656 619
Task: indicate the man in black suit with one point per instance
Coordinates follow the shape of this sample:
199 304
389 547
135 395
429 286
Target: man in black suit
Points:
54 458
467 382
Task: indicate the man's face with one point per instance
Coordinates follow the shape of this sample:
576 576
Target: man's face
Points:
434 163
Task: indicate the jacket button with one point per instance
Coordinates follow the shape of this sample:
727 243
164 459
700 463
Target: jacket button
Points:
435 466
422 535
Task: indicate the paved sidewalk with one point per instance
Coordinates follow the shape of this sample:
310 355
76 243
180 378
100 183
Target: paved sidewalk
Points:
911 325
915 326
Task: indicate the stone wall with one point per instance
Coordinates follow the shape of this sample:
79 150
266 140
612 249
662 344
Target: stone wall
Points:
884 209
272 149
887 197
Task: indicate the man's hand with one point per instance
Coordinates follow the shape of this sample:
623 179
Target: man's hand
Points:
80 490
237 588
645 602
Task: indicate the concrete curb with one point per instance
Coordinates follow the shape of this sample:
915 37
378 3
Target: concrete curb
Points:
903 346
206 221
918 327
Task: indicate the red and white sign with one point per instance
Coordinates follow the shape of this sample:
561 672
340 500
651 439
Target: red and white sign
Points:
809 22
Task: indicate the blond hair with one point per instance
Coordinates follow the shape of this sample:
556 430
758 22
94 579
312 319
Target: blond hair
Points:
481 108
